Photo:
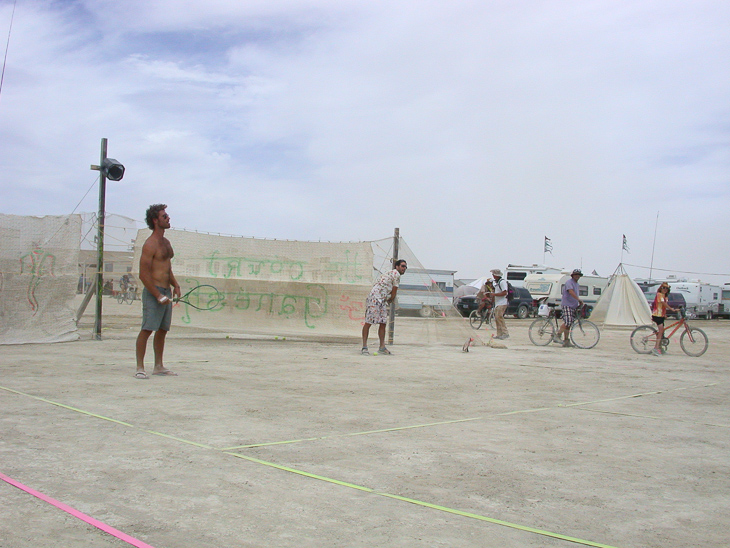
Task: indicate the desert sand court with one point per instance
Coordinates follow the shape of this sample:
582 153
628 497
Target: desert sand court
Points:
290 443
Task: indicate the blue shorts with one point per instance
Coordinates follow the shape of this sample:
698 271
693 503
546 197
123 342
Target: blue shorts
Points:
156 316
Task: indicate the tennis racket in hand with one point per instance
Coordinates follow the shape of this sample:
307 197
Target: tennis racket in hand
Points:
202 297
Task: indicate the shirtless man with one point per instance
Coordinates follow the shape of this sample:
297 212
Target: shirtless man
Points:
155 272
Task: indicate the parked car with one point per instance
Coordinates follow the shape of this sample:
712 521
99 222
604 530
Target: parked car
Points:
522 306
676 300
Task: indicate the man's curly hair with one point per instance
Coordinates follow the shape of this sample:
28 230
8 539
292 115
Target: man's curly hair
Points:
152 213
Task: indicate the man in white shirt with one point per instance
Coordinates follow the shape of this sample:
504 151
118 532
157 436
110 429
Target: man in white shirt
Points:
500 303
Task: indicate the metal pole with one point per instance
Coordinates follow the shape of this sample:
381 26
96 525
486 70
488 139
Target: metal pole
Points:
653 245
100 244
391 318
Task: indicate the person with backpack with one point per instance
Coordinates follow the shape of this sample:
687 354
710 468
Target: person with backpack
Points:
501 291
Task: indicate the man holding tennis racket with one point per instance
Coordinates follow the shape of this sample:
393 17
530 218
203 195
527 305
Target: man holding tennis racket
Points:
155 272
376 311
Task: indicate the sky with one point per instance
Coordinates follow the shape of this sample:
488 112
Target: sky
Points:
478 128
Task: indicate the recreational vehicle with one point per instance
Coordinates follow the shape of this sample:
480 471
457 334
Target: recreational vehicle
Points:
702 299
426 291
516 274
549 287
725 302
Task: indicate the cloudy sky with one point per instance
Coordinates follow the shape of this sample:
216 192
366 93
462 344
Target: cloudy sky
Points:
476 127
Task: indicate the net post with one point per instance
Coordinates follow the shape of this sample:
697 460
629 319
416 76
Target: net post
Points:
100 244
391 314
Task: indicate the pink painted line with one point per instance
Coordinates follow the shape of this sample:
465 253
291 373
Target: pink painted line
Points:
75 513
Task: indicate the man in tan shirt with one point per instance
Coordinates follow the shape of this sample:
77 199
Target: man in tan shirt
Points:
155 273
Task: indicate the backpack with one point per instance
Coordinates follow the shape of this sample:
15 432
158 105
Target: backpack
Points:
511 293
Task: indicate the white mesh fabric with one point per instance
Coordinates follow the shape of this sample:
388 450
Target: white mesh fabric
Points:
38 278
284 287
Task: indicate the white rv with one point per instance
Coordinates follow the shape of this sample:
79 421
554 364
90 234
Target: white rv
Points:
725 301
702 299
426 291
549 286
516 273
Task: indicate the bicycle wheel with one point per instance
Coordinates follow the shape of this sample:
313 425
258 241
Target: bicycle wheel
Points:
490 318
130 297
120 297
696 345
643 339
584 334
541 331
475 319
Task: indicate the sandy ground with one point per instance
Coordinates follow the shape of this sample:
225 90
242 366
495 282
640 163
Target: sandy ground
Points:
263 442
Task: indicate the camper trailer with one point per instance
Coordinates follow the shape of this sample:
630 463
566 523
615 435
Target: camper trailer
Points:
516 274
549 287
724 311
427 292
703 299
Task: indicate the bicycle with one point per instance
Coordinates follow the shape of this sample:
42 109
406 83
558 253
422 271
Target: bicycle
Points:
478 317
583 333
693 341
127 296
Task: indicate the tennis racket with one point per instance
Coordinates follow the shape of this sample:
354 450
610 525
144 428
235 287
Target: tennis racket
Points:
202 297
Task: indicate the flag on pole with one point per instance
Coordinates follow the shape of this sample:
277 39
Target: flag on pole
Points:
548 246
626 245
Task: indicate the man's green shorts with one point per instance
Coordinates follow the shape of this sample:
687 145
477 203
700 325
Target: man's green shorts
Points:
156 316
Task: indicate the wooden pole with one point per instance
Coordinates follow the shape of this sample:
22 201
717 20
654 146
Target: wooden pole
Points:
391 315
100 244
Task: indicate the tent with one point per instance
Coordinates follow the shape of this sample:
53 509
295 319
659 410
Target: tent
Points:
464 290
622 303
479 282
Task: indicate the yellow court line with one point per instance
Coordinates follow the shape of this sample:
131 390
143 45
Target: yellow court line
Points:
323 478
102 417
424 504
503 414
653 393
652 417
394 429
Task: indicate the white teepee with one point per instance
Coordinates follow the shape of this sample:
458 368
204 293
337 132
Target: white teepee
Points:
622 303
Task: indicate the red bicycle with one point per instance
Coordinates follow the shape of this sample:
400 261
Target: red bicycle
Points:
693 341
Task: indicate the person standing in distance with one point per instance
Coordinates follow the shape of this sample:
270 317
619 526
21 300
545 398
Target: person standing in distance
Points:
155 273
569 303
376 310
500 303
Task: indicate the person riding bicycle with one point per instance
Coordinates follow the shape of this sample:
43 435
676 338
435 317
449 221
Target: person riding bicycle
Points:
124 283
486 300
569 303
659 313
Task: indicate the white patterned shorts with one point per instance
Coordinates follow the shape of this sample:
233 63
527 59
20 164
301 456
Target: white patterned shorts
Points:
376 311
568 315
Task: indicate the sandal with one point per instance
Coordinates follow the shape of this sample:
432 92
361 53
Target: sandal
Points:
384 351
365 351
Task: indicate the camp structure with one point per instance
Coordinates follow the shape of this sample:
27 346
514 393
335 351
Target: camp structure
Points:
622 303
